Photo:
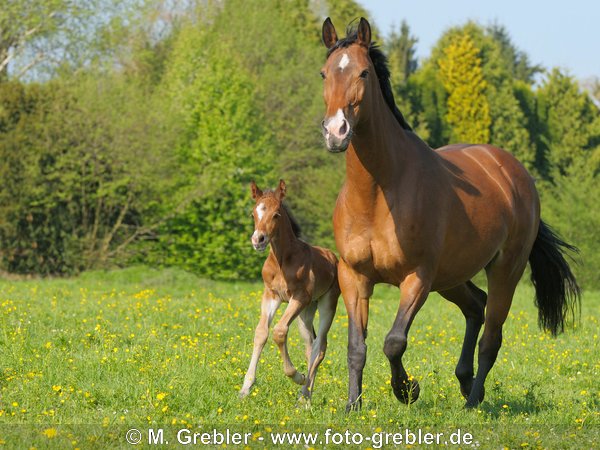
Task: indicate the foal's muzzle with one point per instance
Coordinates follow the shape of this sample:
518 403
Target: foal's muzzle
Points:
259 241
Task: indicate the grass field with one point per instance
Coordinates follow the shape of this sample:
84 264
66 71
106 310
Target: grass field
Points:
84 360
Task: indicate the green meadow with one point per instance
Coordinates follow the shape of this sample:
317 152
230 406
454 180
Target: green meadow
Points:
83 360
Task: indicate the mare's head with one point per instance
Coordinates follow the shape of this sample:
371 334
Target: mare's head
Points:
355 75
270 213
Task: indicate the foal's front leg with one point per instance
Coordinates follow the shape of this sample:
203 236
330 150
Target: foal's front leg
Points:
269 305
280 332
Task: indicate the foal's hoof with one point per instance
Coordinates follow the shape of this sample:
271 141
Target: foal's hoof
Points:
303 401
299 378
243 393
408 391
353 406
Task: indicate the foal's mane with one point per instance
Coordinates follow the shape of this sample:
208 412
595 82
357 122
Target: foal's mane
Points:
295 225
379 61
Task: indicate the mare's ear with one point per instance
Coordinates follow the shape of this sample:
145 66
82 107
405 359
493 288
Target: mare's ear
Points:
281 190
364 32
329 34
256 192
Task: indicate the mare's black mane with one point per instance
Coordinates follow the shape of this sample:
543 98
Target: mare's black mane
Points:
379 61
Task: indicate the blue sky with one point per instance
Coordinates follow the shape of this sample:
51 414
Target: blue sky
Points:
562 34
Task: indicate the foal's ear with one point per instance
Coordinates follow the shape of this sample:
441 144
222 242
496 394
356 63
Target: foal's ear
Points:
256 192
364 32
329 34
281 190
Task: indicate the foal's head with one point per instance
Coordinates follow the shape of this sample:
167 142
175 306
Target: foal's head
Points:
267 214
355 74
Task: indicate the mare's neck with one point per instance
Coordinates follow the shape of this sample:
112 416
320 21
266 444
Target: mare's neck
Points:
379 151
284 241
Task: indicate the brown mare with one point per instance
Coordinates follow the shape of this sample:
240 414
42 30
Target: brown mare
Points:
429 220
303 276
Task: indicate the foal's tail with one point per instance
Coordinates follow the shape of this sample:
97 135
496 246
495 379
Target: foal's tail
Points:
556 290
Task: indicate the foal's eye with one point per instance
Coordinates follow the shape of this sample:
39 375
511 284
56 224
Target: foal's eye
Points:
276 215
364 74
322 74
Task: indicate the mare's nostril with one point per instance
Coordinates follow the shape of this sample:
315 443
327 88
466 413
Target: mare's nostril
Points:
261 239
344 128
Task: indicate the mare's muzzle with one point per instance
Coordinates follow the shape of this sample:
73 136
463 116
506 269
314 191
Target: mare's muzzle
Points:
337 132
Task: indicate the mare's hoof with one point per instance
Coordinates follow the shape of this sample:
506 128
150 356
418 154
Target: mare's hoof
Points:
473 403
408 391
465 389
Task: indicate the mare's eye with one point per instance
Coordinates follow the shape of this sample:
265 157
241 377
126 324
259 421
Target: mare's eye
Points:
276 215
364 74
322 74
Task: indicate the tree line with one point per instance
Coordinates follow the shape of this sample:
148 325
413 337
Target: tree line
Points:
138 145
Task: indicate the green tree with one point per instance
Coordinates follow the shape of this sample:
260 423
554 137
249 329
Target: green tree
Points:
507 130
225 144
462 76
572 123
400 48
48 36
515 61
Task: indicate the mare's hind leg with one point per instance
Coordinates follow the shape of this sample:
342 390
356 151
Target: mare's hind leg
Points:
503 277
280 332
471 301
414 291
327 306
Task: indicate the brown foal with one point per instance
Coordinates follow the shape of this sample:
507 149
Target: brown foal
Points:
303 276
429 220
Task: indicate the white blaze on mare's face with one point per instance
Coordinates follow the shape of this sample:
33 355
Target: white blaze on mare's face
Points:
344 61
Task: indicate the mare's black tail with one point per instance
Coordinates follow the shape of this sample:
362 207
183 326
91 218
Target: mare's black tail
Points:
556 290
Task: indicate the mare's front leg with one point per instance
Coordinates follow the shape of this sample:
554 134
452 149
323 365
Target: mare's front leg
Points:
269 305
280 331
356 290
414 291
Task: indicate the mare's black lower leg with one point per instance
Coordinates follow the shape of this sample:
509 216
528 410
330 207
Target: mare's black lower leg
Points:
503 277
357 356
489 345
471 301
414 293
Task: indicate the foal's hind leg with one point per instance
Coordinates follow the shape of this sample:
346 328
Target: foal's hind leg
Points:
306 328
471 301
327 306
280 332
503 277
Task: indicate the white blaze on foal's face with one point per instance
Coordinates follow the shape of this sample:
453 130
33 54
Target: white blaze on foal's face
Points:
260 211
